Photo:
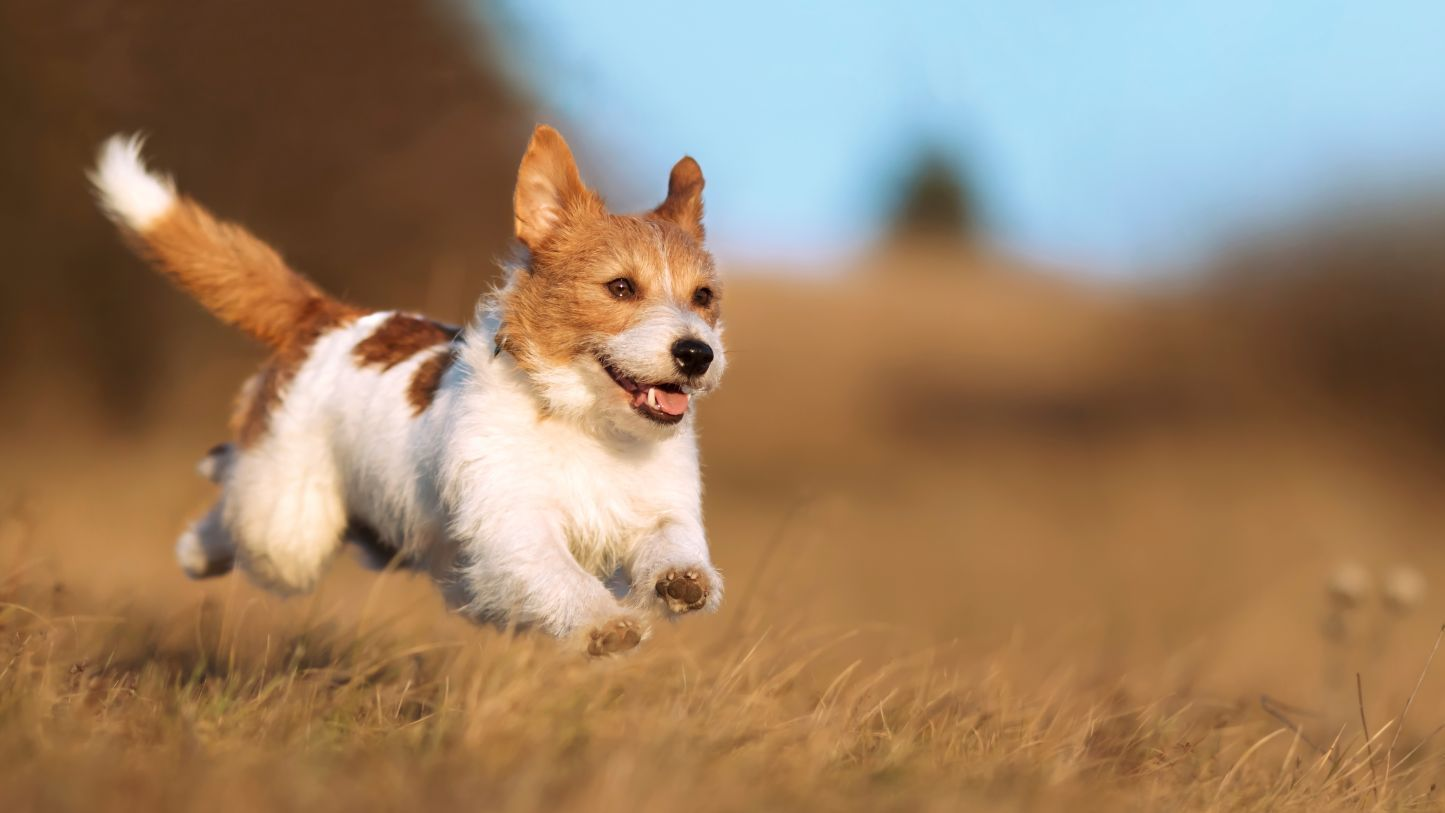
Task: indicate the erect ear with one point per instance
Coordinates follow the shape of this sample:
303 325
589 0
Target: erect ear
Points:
549 190
684 197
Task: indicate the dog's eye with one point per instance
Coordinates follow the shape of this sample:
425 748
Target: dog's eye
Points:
622 288
702 297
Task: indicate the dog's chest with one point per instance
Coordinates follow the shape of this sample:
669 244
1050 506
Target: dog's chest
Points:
608 500
602 494
608 507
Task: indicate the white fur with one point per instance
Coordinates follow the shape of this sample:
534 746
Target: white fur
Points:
578 500
506 488
128 192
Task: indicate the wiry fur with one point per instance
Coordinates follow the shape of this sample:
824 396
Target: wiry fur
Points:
240 279
508 461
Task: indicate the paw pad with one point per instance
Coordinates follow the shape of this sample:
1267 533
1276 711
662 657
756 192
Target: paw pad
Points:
615 636
683 590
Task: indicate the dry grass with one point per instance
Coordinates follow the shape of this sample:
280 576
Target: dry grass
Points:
219 709
1054 562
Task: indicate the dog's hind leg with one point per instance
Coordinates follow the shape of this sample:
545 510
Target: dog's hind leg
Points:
206 549
217 464
285 509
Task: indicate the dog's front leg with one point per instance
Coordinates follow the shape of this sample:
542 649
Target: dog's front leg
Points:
671 570
518 571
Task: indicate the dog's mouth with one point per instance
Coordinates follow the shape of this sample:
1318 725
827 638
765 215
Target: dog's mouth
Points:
664 403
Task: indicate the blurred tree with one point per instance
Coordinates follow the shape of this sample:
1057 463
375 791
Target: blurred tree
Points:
371 141
935 203
1353 306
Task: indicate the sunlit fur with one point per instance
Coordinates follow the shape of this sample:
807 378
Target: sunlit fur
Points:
520 475
560 321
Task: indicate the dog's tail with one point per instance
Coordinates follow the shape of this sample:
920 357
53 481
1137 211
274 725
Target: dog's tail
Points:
232 273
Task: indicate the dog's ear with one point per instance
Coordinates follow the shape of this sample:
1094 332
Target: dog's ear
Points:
684 197
549 189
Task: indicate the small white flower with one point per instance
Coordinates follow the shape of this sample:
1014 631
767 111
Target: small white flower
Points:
1404 588
1349 585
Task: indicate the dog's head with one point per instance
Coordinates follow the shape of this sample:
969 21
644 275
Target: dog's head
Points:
616 318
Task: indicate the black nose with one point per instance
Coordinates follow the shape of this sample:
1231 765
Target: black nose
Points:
693 356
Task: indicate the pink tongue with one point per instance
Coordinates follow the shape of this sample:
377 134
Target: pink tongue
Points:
673 403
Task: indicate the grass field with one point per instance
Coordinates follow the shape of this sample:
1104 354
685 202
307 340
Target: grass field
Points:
1010 544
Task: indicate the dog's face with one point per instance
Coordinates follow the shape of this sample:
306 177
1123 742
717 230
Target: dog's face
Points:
615 317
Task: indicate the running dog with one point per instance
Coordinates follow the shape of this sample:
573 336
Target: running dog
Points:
527 461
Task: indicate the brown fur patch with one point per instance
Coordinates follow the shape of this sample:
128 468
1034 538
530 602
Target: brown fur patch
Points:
399 338
684 198
560 308
263 392
549 189
427 380
253 407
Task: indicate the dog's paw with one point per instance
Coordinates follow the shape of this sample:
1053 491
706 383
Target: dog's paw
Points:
684 589
614 636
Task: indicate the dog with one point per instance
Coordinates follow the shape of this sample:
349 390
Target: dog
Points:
540 463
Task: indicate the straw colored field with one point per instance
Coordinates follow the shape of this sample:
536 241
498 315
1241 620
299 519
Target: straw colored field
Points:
992 541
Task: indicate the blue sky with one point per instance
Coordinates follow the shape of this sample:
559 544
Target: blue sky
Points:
1116 137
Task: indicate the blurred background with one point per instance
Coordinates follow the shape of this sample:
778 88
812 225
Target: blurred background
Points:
1133 315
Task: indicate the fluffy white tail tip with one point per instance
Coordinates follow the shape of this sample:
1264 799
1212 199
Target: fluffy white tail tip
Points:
128 192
